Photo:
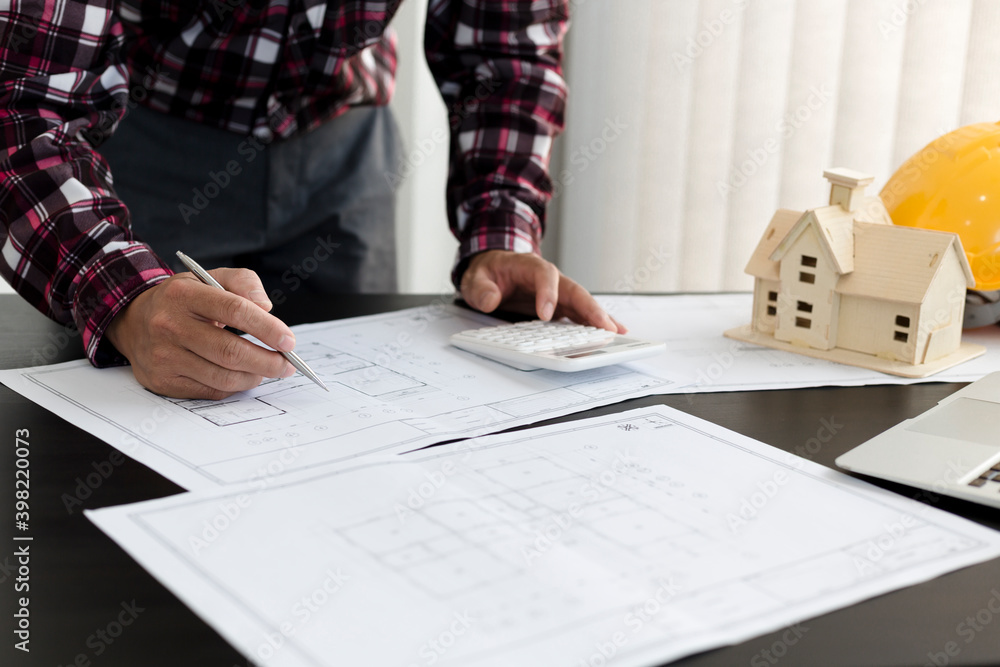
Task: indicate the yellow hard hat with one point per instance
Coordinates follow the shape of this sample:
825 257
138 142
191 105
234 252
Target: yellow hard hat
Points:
953 185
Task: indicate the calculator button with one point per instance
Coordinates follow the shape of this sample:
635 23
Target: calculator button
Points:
516 344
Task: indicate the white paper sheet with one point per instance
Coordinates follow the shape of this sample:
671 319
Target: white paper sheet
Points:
643 536
398 385
395 385
692 327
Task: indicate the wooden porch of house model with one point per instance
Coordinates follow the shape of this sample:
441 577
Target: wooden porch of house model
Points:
841 282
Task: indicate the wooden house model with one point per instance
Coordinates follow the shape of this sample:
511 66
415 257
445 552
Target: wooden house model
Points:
841 282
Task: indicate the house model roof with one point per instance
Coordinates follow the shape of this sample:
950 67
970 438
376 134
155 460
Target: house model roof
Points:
835 226
916 255
872 256
761 265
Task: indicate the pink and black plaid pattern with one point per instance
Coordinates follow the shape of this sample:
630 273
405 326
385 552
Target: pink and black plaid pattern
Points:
263 66
499 66
69 71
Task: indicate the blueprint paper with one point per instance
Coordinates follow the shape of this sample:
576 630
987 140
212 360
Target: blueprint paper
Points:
632 539
692 327
395 385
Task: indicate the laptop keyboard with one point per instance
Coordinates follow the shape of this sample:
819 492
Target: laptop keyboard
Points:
991 476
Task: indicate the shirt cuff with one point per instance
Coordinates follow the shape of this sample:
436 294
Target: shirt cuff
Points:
106 286
516 231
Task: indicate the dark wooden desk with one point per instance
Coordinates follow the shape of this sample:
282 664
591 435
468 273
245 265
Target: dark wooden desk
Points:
81 582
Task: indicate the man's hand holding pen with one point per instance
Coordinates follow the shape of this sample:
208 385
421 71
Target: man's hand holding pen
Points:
173 336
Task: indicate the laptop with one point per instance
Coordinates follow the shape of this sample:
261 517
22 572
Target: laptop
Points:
952 449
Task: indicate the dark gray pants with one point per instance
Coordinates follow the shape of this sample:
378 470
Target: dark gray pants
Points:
312 213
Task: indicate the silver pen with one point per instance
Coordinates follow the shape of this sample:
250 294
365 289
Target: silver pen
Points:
293 359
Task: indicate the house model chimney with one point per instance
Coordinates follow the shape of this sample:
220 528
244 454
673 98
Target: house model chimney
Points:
847 187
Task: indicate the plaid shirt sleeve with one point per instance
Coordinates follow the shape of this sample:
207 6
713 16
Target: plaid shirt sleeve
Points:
65 241
498 65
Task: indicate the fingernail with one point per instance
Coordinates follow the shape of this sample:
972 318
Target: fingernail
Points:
287 343
260 296
288 372
481 297
547 310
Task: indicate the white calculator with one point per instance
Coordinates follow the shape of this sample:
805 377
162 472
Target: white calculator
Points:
557 346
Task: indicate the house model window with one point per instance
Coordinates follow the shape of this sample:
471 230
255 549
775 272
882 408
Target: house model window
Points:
904 322
842 282
772 304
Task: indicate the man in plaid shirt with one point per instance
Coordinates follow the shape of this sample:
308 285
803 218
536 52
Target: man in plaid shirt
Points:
287 83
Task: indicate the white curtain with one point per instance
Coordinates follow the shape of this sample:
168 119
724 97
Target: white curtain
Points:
425 245
691 121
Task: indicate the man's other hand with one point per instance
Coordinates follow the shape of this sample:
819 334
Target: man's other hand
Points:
526 283
174 337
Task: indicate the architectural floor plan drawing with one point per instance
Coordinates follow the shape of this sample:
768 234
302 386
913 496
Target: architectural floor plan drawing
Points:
395 385
641 536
